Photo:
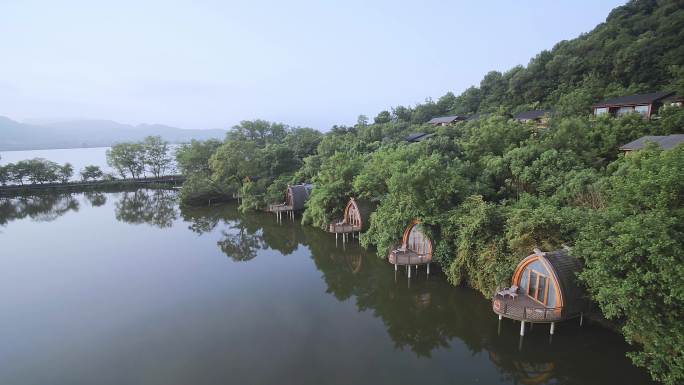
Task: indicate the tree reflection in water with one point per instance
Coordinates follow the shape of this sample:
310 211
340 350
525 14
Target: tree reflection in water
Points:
154 207
242 236
425 316
95 198
42 208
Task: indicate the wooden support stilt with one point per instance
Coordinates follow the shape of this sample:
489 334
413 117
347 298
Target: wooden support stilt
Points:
428 269
409 270
522 328
581 318
553 327
395 267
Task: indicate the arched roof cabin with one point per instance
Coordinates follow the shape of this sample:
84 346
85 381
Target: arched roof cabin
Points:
416 247
544 288
295 198
356 217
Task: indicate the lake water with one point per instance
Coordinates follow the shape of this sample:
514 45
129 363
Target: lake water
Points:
129 288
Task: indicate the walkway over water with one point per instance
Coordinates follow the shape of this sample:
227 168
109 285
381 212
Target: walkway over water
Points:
73 186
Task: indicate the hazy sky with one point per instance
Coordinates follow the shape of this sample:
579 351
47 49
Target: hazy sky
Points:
210 64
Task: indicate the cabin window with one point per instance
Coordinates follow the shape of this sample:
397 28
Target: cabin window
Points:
643 110
624 110
601 111
535 281
353 216
417 241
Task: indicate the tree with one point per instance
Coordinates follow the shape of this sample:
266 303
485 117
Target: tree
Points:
6 174
634 253
91 172
65 172
193 157
127 158
383 117
156 155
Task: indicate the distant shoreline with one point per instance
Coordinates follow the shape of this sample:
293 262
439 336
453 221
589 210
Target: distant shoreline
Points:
72 148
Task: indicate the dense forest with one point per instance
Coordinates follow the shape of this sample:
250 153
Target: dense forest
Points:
488 190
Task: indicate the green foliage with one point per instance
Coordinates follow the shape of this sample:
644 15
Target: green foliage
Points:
634 253
193 157
91 172
199 189
65 172
156 157
473 250
333 188
127 158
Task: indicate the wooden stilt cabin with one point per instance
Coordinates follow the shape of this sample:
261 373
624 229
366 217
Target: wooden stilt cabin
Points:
356 217
416 248
295 198
543 289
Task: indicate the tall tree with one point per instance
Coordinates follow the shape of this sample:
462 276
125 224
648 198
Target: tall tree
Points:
127 158
156 155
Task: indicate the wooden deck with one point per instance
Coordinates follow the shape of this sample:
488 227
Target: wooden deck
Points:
524 308
279 208
343 228
408 257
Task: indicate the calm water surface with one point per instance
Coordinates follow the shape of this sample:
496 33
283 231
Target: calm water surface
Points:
128 288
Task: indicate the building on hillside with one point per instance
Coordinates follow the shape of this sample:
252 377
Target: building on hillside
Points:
295 198
446 120
544 289
356 218
645 104
666 142
418 137
416 248
539 117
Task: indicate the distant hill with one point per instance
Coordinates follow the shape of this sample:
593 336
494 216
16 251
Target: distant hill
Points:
89 133
638 49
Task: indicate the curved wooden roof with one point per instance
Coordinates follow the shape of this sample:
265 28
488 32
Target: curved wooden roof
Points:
564 268
300 194
365 209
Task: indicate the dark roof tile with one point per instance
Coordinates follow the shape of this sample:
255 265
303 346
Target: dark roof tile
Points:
666 142
634 99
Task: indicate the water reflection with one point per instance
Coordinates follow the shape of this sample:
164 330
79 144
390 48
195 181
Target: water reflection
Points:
95 198
243 236
154 207
43 208
428 315
428 319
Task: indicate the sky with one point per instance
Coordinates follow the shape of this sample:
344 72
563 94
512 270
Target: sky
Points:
211 64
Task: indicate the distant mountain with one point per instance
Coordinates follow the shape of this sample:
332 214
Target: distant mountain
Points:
89 133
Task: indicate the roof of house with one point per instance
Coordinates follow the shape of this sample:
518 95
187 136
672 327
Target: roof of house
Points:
534 114
446 119
665 142
634 99
566 268
418 136
300 194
